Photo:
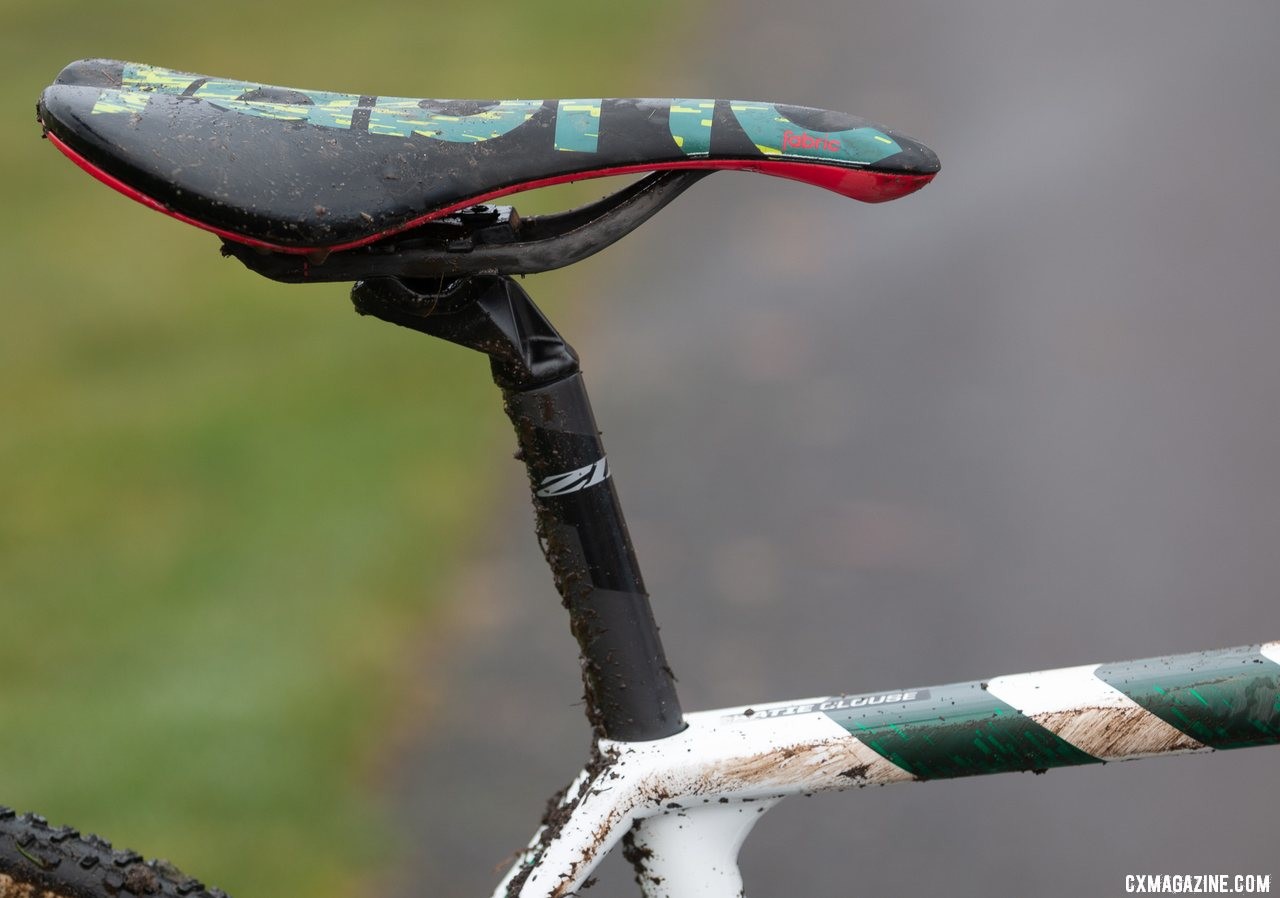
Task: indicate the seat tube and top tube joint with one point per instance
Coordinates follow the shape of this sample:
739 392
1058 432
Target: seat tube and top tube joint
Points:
630 690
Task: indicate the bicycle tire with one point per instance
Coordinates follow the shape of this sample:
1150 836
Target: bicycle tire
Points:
42 861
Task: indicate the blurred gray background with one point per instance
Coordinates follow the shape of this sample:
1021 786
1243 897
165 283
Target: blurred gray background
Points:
1024 419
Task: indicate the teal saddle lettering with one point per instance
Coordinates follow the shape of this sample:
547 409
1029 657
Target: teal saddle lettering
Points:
296 171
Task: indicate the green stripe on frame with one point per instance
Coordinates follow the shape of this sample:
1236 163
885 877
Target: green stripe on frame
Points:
960 730
1226 699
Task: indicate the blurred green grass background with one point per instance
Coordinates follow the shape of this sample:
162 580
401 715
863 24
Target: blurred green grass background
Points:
227 506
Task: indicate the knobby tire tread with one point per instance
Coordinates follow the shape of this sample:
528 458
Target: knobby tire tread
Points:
42 861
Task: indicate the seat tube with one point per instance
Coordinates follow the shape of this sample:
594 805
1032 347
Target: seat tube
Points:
631 692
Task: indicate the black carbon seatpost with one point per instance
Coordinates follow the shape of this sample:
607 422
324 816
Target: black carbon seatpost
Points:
630 690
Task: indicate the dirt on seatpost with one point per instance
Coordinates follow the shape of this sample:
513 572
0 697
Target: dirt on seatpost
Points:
1030 426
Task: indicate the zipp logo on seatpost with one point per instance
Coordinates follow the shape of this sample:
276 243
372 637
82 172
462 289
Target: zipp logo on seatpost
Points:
572 481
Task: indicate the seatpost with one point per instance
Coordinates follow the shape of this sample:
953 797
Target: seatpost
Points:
630 690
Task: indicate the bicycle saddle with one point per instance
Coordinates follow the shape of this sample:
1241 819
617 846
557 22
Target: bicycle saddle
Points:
296 171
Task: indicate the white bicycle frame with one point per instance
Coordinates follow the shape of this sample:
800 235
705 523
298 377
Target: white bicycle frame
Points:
683 805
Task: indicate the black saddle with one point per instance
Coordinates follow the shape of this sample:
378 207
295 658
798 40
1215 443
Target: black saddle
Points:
301 171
